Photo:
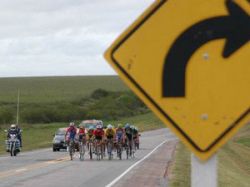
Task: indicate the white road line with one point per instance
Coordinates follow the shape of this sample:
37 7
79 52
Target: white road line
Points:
135 164
21 170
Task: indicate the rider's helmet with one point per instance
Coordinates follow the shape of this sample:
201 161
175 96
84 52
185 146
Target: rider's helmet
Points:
110 126
127 125
13 126
119 125
132 127
98 126
136 128
71 124
81 127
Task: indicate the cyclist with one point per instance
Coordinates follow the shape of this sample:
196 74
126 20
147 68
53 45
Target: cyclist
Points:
120 133
137 138
99 133
110 132
120 136
81 133
128 136
99 136
70 133
90 132
90 139
135 134
110 135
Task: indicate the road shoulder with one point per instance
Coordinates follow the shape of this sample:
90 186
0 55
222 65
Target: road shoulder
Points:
153 171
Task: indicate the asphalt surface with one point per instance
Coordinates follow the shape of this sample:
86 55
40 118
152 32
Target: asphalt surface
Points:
46 168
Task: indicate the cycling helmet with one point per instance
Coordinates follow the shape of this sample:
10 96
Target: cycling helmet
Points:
100 122
119 125
98 126
110 126
91 128
13 126
127 125
81 127
132 127
71 124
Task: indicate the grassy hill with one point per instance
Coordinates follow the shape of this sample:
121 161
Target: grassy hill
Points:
62 99
55 89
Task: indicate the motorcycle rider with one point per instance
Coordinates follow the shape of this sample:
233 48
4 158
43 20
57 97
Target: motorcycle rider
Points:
15 130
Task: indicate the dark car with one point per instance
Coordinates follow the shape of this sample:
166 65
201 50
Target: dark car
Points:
59 139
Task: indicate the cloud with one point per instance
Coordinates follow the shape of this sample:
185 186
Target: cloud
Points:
61 37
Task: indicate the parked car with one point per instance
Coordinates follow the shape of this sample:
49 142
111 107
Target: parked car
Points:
59 140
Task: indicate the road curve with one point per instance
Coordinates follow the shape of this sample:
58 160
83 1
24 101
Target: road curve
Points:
46 168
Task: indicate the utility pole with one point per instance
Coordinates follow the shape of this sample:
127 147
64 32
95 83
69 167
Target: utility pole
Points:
17 108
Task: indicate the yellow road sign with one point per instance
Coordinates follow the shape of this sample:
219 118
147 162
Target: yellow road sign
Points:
189 62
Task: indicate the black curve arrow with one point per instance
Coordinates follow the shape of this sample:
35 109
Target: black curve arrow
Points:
235 28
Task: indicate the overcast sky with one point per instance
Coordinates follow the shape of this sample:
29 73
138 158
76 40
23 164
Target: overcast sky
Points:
61 37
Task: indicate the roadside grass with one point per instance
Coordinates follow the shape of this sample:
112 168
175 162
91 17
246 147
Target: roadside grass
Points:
233 163
180 175
38 136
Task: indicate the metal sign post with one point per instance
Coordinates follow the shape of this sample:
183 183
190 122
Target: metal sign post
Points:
204 173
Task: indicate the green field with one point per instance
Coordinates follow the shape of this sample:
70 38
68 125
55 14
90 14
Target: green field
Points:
55 89
233 163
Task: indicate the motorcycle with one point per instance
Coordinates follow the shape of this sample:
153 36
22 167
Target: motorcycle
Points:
12 145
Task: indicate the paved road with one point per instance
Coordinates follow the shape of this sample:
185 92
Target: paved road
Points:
46 168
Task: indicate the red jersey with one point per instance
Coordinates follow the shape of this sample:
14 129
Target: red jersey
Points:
99 132
81 131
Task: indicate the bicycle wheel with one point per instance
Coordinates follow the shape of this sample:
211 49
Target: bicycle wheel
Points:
119 151
90 151
71 149
109 149
127 150
98 152
82 150
132 149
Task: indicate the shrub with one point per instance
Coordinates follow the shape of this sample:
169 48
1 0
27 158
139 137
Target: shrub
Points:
99 93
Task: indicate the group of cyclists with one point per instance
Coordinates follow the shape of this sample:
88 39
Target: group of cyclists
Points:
109 137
